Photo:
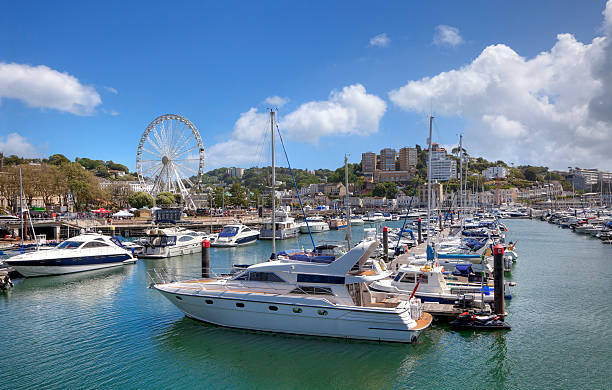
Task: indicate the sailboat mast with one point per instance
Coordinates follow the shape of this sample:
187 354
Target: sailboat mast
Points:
273 187
348 206
429 177
21 206
461 178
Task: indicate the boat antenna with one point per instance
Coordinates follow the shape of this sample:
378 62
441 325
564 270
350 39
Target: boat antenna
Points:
314 247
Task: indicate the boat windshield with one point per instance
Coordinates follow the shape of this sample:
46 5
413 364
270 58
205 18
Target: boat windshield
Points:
229 231
69 245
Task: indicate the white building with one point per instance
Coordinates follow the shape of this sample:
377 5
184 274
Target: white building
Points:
443 169
235 172
496 172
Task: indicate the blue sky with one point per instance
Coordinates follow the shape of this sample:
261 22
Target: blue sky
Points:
214 61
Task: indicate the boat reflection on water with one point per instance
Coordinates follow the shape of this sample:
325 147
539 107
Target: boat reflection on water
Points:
264 360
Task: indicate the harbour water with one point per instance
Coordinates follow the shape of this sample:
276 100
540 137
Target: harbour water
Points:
106 329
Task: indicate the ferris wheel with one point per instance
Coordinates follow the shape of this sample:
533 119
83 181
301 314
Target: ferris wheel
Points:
170 157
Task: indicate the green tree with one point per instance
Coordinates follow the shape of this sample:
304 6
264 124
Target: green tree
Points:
165 199
390 190
379 190
58 159
239 196
140 200
531 173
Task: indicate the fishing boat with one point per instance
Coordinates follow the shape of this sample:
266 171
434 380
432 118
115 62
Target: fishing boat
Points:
303 298
316 225
85 252
236 235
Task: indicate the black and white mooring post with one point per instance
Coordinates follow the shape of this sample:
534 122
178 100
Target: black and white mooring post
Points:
420 232
205 258
498 273
385 244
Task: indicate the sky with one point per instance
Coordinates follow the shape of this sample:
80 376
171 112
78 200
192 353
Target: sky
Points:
525 82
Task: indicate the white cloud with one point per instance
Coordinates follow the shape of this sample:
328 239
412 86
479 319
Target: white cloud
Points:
43 87
447 36
350 111
112 90
380 40
276 101
554 109
15 144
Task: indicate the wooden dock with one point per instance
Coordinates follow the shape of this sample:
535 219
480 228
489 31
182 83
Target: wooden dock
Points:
448 311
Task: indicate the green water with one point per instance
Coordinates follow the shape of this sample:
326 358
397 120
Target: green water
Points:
105 329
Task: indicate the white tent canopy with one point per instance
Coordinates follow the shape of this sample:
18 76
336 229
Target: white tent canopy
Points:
123 213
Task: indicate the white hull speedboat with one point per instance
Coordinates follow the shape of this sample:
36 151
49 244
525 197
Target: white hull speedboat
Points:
302 298
162 243
236 235
357 221
85 252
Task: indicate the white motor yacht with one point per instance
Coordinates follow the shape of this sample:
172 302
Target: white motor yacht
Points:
432 287
373 217
285 227
356 220
236 235
316 225
162 243
304 298
85 252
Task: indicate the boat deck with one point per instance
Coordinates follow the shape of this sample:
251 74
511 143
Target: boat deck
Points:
424 321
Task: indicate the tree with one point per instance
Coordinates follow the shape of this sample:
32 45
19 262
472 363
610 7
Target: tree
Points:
531 173
82 185
165 199
140 200
238 197
390 190
58 159
379 190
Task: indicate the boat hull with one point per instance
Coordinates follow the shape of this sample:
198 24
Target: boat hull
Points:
170 251
239 242
33 268
298 319
280 234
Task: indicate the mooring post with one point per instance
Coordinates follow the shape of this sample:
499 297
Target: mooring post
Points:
385 244
205 258
498 273
420 231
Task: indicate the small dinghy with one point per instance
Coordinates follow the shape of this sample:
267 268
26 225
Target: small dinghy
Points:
468 321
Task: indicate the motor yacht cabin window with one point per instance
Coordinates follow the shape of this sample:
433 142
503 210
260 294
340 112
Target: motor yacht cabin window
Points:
409 278
229 231
260 277
312 290
94 244
327 279
185 238
69 245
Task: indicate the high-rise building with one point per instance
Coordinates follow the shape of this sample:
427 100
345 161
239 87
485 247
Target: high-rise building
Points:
408 159
387 159
368 162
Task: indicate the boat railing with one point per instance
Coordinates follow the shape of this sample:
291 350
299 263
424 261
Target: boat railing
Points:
165 275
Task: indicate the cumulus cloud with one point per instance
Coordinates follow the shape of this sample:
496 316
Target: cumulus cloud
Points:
15 144
553 109
276 101
380 40
43 87
447 36
349 111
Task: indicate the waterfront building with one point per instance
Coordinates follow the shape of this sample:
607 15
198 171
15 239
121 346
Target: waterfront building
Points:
408 159
443 168
495 172
368 162
585 179
437 195
392 176
387 159
235 172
